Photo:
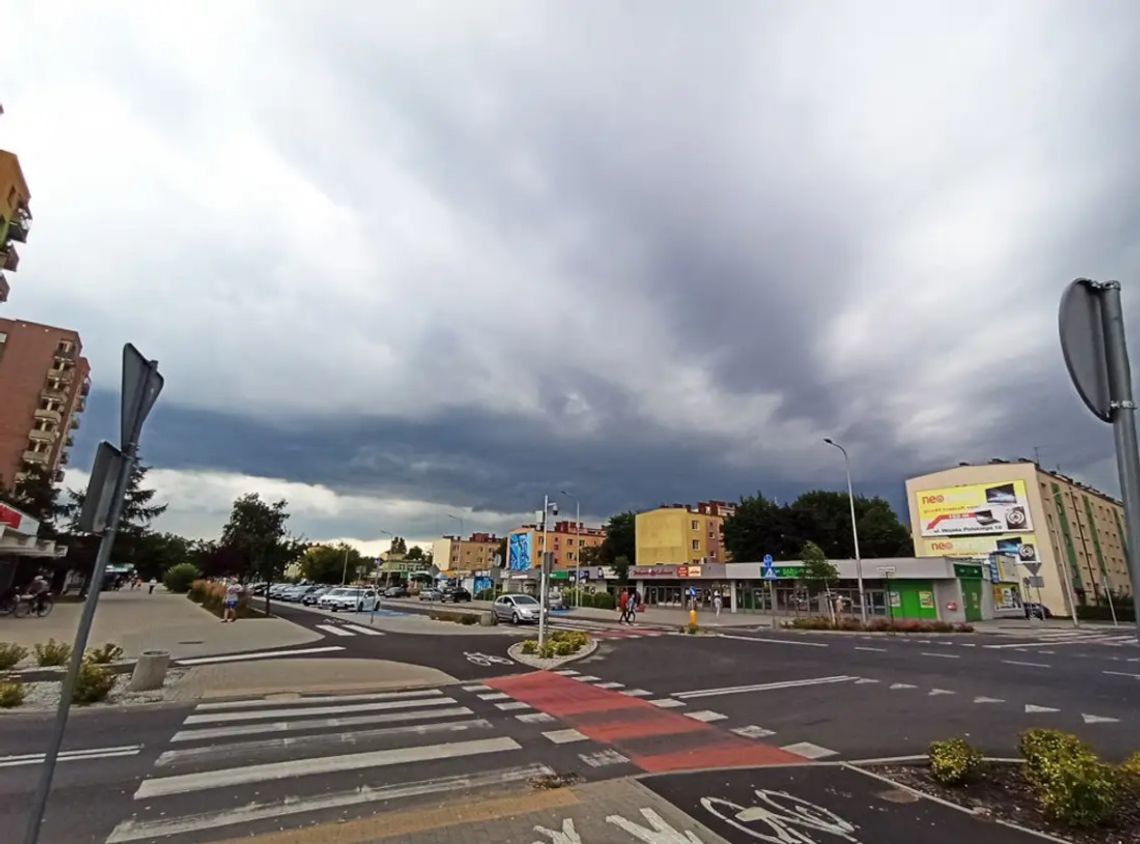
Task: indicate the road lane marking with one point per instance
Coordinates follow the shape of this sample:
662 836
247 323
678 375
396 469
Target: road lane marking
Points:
773 641
941 656
705 716
239 748
636 693
494 696
563 736
317 723
567 672
862 681
666 703
1099 719
512 704
610 685
1121 674
135 830
205 660
258 702
585 678
603 758
1032 707
333 629
72 755
903 686
984 699
275 771
1027 664
937 692
866 648
478 687
764 687
753 731
366 631
219 717
809 750
535 718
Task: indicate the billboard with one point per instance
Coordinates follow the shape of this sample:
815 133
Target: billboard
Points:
1021 545
974 509
518 552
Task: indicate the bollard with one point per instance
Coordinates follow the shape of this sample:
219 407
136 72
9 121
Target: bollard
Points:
487 619
150 671
692 616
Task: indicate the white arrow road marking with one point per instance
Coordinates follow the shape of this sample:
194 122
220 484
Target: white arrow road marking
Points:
862 681
1030 707
1099 719
903 686
984 699
935 692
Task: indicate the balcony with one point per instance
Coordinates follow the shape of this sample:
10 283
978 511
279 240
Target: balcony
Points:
4 288
9 258
64 354
35 456
52 415
86 387
69 442
64 458
18 227
53 393
74 422
58 476
81 405
41 436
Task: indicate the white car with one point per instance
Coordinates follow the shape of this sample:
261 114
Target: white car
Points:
517 609
355 598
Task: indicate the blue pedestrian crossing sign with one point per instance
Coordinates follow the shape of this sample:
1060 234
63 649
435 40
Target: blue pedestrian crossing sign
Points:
769 571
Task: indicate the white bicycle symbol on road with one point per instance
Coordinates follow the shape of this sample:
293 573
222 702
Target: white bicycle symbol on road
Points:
486 659
790 819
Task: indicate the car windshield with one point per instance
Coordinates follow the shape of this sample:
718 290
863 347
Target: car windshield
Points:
524 600
334 592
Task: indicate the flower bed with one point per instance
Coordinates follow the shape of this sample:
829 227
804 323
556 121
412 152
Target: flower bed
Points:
877 625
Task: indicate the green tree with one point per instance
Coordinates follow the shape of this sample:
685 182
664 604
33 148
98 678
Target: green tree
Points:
157 552
761 526
818 572
590 555
415 553
37 496
621 568
398 545
826 519
329 564
256 534
620 539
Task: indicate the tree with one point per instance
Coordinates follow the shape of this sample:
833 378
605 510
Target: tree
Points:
327 563
818 573
256 533
415 553
157 552
828 515
621 568
590 555
620 539
398 545
37 496
760 527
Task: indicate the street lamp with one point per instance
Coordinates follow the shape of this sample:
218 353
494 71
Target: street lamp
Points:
548 507
388 580
854 529
456 518
578 554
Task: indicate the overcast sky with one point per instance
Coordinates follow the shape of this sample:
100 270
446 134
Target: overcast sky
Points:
405 260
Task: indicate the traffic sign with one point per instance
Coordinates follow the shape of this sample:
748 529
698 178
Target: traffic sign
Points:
1084 347
769 571
1037 580
887 569
1032 568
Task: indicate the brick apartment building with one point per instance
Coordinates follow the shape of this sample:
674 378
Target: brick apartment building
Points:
44 381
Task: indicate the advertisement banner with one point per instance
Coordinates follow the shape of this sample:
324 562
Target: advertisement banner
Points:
1023 546
973 509
518 552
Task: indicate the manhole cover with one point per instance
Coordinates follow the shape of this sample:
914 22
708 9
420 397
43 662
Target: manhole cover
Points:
191 642
899 795
555 780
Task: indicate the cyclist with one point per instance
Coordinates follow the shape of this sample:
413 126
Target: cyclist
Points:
37 590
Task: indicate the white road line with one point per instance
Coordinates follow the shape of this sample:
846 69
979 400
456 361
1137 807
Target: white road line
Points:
240 748
72 755
1027 664
366 631
811 751
317 723
753 731
666 703
1121 674
636 693
563 736
512 704
1099 719
763 687
866 648
135 830
1081 640
610 685
205 660
1032 707
535 718
602 758
941 656
863 681
333 629
984 699
567 672
494 696
585 678
774 641
705 716
945 644
273 771
293 712
903 686
256 702
478 687
967 644
937 692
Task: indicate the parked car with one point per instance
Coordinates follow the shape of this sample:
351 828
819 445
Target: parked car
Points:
455 594
356 598
430 594
312 593
1033 610
396 592
517 609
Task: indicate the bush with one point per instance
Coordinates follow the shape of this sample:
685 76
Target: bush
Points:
468 618
92 685
954 761
602 601
530 646
12 694
564 648
52 653
180 577
104 655
962 627
576 638
484 595
11 654
1043 750
1130 771
546 650
1081 791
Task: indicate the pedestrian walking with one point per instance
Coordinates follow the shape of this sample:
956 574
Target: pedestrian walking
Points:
233 593
634 600
623 606
153 583
718 601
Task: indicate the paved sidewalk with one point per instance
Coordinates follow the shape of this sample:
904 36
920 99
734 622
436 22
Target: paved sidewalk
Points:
297 675
163 621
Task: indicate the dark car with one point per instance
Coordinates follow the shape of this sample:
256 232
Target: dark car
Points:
455 594
396 592
1037 611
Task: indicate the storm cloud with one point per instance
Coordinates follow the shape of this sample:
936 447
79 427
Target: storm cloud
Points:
459 255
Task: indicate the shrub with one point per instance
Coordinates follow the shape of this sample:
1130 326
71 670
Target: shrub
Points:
12 694
530 646
52 653
962 627
104 655
575 638
11 654
603 601
1081 791
812 622
92 685
468 618
546 650
954 761
879 625
484 595
1044 749
564 648
848 623
180 577
1130 770
692 628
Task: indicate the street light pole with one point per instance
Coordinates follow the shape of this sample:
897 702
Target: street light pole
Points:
542 571
854 529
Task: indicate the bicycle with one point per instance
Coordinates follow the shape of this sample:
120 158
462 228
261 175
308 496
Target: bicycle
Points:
39 605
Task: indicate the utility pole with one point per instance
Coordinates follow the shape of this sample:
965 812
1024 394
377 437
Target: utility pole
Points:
578 555
854 530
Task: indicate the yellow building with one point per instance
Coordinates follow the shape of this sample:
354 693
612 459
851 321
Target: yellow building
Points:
476 553
15 215
567 541
1056 528
682 534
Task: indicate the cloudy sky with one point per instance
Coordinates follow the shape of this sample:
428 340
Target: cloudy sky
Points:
407 261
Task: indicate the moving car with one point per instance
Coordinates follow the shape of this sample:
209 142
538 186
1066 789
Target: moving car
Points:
455 594
355 598
516 609
430 594
396 592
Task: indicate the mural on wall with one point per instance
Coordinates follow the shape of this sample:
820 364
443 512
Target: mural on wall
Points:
518 552
974 509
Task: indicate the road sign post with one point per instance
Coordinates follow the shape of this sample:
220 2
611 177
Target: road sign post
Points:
1096 355
141 386
769 574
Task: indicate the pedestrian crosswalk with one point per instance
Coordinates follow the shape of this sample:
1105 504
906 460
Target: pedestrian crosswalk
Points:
602 630
240 762
1070 636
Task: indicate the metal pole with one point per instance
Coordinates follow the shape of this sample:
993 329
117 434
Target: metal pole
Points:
542 573
344 571
772 601
67 687
1123 426
854 531
578 558
1104 582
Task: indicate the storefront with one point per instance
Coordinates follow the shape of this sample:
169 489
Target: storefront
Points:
681 586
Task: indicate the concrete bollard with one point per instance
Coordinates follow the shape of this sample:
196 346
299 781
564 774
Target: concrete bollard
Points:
487 619
150 671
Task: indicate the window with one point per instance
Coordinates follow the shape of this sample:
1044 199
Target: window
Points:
694 525
696 545
569 555
569 541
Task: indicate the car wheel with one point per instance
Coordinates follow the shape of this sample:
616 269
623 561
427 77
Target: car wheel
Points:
515 618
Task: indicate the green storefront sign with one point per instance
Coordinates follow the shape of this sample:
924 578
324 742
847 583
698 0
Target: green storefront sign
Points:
968 571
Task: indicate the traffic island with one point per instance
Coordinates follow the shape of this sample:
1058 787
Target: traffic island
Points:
561 647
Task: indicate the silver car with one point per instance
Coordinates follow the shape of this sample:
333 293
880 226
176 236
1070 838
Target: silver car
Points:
517 609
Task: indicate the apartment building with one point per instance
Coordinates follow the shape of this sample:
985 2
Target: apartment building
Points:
1055 527
475 553
526 544
682 534
15 216
44 380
